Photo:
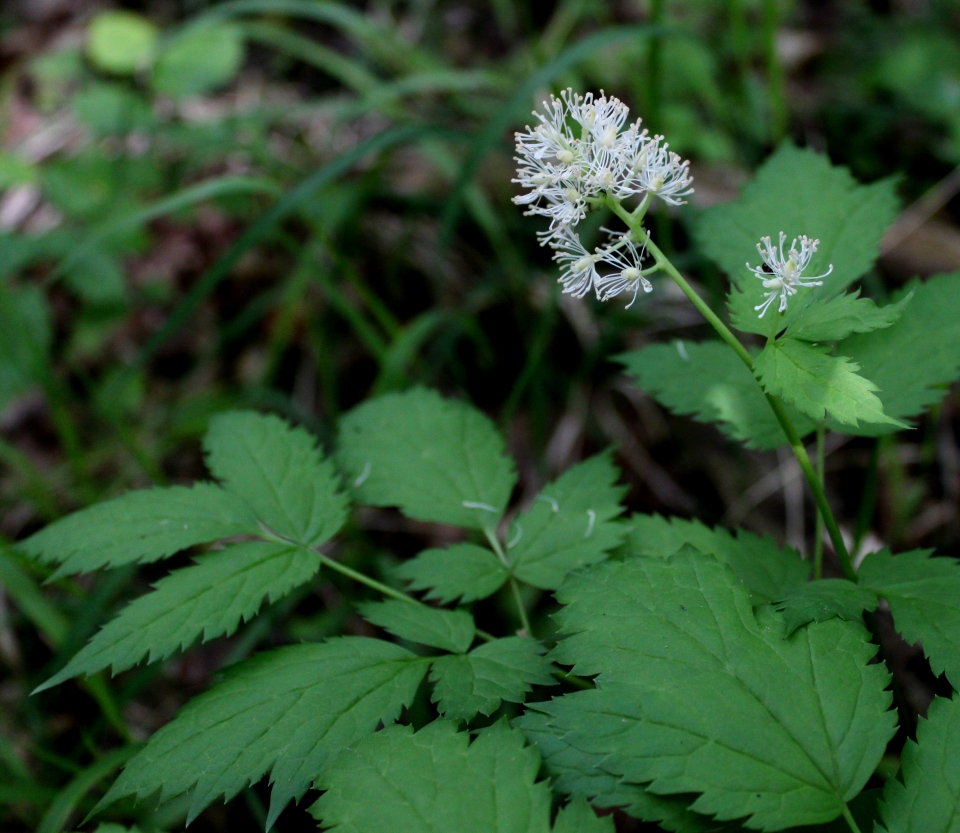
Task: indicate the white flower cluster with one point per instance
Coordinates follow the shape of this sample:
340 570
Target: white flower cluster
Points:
579 154
781 275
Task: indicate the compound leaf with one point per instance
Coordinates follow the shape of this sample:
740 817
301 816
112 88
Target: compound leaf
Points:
435 782
140 526
288 712
917 357
798 192
768 571
503 669
578 817
279 472
928 799
437 459
570 524
463 571
815 382
207 600
924 598
825 599
836 318
708 382
696 693
450 630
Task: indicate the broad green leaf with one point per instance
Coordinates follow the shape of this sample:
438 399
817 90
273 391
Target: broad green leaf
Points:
121 42
207 600
917 357
708 382
814 382
797 192
434 782
463 571
279 472
696 693
286 712
924 598
437 459
578 817
25 336
825 599
836 318
450 630
141 526
570 525
928 799
504 669
581 773
200 59
768 571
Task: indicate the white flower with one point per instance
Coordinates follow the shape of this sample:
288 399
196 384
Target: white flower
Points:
659 171
783 274
626 258
580 268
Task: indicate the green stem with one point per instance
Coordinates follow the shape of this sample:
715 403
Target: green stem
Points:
818 525
850 820
491 534
372 583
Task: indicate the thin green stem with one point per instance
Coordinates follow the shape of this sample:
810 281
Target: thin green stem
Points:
818 524
372 583
850 820
491 534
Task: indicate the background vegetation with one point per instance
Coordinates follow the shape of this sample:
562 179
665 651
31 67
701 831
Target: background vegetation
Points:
290 205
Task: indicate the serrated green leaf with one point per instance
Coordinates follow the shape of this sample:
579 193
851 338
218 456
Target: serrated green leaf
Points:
767 570
504 669
710 383
696 693
924 598
437 459
798 192
450 630
920 354
569 525
280 473
207 600
825 599
462 571
836 318
928 800
433 782
141 526
815 383
288 712
578 817
581 773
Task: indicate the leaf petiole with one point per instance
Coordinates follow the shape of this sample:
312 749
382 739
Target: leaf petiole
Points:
491 534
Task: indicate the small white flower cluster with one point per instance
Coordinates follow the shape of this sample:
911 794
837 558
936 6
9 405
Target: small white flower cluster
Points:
783 274
580 153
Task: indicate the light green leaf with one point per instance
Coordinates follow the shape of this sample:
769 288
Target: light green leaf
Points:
570 524
768 571
206 600
200 59
581 773
928 799
504 669
697 694
121 42
141 526
578 817
708 382
836 318
437 459
280 473
288 712
463 571
924 598
433 782
450 630
825 599
25 336
917 357
798 192
815 382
